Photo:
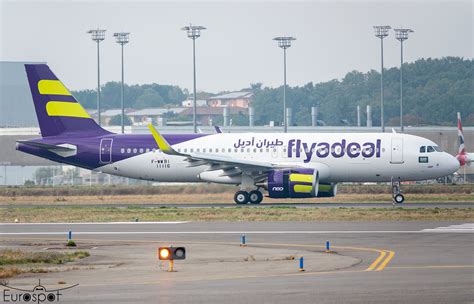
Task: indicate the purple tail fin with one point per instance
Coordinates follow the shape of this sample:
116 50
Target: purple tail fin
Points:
58 112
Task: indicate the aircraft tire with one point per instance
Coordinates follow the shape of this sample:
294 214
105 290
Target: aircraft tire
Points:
241 197
399 198
255 197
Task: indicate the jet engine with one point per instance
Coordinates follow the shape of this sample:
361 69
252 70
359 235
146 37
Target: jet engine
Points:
327 190
297 183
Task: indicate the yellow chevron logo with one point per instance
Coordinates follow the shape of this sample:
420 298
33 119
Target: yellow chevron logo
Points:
305 178
303 189
52 87
69 109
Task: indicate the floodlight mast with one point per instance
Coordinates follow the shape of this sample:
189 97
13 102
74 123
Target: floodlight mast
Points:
284 43
401 35
98 35
194 32
122 39
381 31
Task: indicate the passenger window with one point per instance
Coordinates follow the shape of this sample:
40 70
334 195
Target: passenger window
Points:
223 150
422 149
430 149
204 150
129 150
254 150
147 150
141 150
134 150
229 150
122 150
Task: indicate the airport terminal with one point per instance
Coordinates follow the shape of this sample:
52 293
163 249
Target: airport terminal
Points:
222 165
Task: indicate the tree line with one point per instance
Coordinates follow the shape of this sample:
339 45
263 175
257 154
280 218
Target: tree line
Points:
434 90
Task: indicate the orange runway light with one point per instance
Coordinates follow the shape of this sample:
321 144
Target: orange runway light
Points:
164 253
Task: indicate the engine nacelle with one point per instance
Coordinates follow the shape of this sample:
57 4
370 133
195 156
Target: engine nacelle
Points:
327 190
297 183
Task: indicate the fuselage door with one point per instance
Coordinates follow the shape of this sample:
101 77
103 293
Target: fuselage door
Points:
397 151
105 154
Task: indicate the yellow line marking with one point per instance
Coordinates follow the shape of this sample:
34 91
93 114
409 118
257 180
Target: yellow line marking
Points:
431 267
377 261
386 261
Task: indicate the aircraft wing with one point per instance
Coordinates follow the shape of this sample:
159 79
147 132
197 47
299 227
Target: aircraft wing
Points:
219 161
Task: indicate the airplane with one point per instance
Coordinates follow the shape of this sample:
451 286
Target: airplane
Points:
285 165
463 157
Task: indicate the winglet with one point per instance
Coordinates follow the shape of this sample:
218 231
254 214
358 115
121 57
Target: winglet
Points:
163 145
218 129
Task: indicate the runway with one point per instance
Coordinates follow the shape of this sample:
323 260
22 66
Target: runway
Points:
373 262
459 205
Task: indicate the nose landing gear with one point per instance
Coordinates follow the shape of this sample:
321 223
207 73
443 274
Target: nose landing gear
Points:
397 195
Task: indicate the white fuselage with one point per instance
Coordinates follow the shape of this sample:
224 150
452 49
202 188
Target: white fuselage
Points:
338 157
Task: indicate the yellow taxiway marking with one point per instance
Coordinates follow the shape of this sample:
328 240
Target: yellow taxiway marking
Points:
431 267
386 261
377 261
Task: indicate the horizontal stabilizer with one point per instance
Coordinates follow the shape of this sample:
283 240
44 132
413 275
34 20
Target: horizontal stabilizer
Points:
64 150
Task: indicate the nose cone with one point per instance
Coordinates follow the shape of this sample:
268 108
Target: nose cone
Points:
452 164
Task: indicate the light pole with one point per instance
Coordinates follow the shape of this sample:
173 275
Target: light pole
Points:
122 39
194 32
98 35
381 31
284 43
401 35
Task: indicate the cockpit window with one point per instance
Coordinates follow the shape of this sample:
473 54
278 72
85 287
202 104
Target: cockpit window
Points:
438 149
430 149
423 149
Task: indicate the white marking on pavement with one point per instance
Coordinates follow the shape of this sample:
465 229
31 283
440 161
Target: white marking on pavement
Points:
97 223
227 232
467 227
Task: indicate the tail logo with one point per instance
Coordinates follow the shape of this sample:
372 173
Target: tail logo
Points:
52 87
69 109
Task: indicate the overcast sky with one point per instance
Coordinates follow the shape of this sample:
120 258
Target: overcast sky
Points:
333 38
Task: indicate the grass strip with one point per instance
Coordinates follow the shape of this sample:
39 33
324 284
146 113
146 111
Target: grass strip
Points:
107 214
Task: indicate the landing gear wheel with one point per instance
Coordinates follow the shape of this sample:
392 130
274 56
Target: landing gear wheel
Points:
399 198
255 197
397 195
241 197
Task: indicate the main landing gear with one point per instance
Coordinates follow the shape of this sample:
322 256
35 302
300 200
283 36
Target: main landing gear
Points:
244 197
397 195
